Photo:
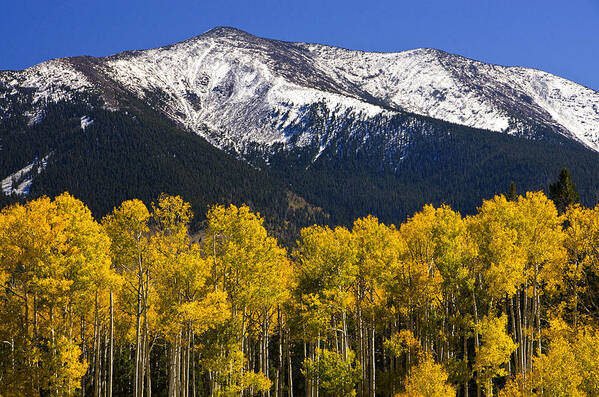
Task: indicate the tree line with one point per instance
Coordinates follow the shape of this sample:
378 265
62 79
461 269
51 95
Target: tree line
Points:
500 302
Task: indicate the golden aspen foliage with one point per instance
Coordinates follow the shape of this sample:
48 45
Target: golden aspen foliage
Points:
453 245
233 379
336 375
586 351
515 387
501 255
418 272
255 273
325 271
582 246
135 306
376 246
55 259
495 351
557 372
542 237
247 263
127 227
327 263
64 368
184 295
402 342
427 379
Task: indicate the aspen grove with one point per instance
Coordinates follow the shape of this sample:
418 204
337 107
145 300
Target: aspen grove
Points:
503 302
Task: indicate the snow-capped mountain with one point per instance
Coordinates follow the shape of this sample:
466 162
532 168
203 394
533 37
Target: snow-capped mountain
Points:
230 117
239 91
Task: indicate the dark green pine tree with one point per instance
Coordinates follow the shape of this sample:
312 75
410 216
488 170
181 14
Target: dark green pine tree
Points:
563 192
512 195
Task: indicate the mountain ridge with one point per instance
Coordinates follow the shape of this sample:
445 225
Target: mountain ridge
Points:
427 82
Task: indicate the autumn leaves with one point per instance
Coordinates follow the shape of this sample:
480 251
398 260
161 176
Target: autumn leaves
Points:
501 301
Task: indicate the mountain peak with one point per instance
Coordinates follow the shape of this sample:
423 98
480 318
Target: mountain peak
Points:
225 31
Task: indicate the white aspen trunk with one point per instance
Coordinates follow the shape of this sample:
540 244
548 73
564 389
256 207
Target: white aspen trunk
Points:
96 349
289 364
146 347
111 365
525 333
372 361
344 342
476 340
465 359
515 332
279 378
138 336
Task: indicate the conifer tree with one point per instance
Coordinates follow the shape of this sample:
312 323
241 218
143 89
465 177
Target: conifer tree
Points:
512 195
563 191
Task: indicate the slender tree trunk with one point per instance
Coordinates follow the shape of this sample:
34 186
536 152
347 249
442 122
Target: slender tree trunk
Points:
521 347
466 360
363 382
307 388
146 340
138 337
84 354
515 335
289 366
147 371
526 324
476 340
372 361
172 372
96 350
344 342
193 366
279 378
111 359
538 310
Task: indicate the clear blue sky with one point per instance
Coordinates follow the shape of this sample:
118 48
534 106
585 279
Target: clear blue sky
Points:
558 36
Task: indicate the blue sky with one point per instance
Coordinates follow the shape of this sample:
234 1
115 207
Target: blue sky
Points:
561 37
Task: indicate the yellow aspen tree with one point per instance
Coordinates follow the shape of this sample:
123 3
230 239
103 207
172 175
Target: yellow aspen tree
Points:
542 237
427 379
495 351
326 270
253 270
335 375
582 246
501 257
59 257
127 227
186 305
557 373
376 245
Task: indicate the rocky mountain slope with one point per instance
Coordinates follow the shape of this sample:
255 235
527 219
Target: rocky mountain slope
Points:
238 90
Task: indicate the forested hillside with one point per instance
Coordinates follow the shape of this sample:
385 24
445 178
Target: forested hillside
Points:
138 153
499 302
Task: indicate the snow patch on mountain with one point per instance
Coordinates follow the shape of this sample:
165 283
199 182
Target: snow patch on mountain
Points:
20 182
50 81
210 87
86 121
467 92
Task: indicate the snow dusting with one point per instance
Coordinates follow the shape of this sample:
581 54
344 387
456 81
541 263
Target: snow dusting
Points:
241 91
20 182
